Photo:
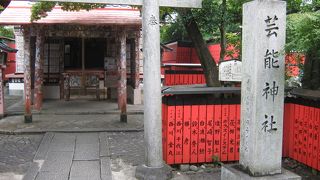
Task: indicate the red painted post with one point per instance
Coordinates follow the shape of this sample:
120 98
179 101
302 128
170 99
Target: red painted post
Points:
186 130
2 108
224 131
202 130
232 132
164 128
237 155
217 129
317 116
39 62
209 130
309 135
178 131
27 76
296 132
194 132
122 83
291 132
171 132
314 141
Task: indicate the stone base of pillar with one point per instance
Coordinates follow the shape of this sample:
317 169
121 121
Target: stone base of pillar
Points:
148 173
134 95
123 118
233 172
27 118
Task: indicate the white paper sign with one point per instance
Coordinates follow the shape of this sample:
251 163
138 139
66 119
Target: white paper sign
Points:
230 71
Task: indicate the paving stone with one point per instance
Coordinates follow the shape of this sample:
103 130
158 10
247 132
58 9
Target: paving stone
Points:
87 138
57 162
64 138
103 145
44 146
62 146
86 152
106 173
51 176
86 170
32 172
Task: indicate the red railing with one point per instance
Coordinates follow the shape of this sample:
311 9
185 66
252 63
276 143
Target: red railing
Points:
197 128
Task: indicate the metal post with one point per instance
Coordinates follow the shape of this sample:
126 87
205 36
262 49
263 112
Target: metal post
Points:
27 76
122 83
39 62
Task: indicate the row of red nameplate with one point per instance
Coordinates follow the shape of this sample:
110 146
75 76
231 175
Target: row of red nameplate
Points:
195 132
301 134
183 79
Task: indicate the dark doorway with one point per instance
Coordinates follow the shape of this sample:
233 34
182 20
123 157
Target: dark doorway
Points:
72 53
94 53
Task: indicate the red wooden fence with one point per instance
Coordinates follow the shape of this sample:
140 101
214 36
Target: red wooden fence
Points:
302 131
195 130
198 127
183 77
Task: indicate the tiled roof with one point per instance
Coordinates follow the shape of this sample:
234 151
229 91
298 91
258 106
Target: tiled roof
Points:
4 47
18 13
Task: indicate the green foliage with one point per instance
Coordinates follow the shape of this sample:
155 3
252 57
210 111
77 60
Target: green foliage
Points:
216 160
303 31
6 32
40 9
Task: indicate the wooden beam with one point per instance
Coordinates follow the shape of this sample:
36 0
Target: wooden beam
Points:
164 3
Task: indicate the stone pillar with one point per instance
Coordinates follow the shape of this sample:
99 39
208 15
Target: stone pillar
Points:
39 63
154 167
122 69
262 93
2 108
152 83
27 76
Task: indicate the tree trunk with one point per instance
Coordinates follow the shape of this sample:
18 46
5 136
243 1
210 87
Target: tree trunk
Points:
223 30
311 76
208 64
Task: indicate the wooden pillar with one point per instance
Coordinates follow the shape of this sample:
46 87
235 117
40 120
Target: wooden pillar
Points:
39 63
2 108
61 68
27 76
122 83
136 78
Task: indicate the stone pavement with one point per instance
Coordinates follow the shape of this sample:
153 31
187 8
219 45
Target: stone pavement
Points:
71 156
16 154
80 115
71 123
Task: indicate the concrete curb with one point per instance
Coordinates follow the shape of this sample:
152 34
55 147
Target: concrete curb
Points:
74 113
25 132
